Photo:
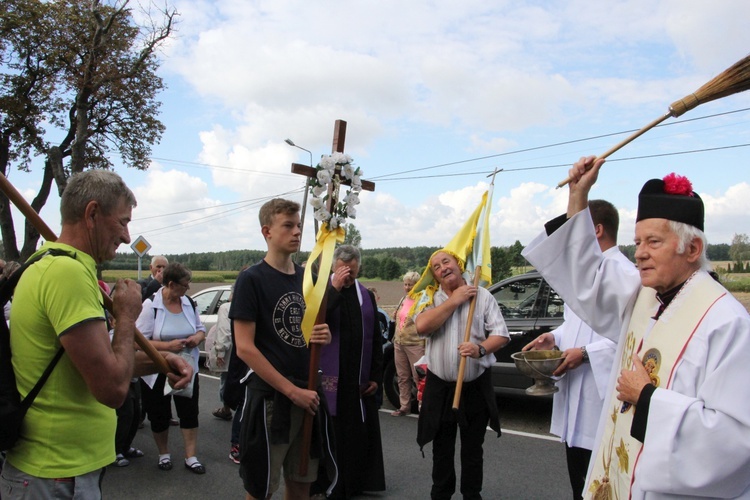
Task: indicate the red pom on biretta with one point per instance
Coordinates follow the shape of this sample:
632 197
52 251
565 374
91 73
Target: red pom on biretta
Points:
678 184
671 198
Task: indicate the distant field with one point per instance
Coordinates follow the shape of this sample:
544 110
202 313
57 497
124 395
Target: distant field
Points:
198 276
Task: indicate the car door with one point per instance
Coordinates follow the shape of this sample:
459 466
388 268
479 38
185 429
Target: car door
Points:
520 302
530 307
207 304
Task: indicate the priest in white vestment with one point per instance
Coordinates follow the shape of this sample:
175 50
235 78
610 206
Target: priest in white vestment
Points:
676 420
588 359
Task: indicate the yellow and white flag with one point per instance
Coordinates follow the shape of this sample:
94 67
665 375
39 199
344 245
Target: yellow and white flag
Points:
470 246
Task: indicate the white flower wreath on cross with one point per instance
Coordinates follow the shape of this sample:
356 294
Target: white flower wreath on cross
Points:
319 189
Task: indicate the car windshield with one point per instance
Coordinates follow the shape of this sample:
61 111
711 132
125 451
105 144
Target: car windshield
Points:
204 300
516 299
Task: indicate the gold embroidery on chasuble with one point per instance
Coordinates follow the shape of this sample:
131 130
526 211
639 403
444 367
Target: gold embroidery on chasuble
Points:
662 343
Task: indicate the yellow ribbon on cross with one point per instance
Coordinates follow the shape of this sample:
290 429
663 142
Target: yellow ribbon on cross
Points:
325 243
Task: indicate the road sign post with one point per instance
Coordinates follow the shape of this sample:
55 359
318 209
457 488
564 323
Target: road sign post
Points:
140 246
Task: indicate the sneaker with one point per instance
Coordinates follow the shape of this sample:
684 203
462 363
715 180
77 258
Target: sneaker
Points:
234 454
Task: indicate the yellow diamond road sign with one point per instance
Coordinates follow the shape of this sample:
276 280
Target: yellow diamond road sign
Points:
140 246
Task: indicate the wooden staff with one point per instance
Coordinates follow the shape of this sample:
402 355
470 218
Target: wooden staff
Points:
312 385
732 80
28 211
467 337
312 373
339 138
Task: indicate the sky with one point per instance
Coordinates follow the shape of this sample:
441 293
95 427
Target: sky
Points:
436 96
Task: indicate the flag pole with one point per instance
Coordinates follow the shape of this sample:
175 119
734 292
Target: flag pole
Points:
467 337
472 305
32 216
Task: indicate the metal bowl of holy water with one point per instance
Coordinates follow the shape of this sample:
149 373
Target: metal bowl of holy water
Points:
539 365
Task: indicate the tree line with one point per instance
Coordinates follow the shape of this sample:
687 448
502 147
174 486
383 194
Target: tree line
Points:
380 263
393 262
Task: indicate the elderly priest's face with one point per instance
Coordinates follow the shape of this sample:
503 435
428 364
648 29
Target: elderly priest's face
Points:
661 264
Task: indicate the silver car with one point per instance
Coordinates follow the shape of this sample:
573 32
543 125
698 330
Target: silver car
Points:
207 303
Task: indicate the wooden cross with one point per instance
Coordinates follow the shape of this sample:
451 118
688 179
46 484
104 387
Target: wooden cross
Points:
339 137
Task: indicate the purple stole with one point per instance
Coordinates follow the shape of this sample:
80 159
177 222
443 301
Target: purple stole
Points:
330 354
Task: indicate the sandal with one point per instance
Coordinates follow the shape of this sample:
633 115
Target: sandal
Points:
165 463
134 453
121 461
196 468
222 413
399 413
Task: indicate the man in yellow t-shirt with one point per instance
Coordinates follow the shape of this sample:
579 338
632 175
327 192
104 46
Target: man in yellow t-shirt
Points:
68 433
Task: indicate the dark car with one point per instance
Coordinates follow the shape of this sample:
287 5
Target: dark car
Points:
530 307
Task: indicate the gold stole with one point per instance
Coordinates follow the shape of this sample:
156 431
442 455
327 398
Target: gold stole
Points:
617 453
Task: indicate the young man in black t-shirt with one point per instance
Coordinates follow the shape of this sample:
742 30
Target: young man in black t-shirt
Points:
266 312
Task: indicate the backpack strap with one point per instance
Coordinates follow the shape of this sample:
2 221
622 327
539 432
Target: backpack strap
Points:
190 299
31 396
7 288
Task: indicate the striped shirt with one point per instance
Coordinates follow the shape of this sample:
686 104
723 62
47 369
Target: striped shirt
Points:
441 351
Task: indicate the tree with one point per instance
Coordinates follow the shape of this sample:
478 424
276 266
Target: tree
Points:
517 259
353 237
719 251
370 266
89 71
501 264
739 251
390 269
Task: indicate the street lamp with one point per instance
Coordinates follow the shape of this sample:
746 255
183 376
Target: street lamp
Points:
304 197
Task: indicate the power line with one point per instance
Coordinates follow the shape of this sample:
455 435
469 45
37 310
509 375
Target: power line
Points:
395 177
209 166
552 145
247 204
457 162
559 165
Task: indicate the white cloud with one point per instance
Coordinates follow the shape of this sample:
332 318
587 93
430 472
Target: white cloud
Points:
726 214
431 83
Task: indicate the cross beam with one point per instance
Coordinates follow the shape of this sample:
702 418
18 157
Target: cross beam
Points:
298 168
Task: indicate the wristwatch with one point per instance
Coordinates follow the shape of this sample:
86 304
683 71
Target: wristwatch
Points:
482 350
585 354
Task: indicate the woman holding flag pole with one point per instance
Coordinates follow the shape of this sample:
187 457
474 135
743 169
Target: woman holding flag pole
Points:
463 326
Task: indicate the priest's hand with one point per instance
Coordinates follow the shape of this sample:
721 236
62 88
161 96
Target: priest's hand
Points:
369 388
583 175
543 342
630 384
342 277
321 334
